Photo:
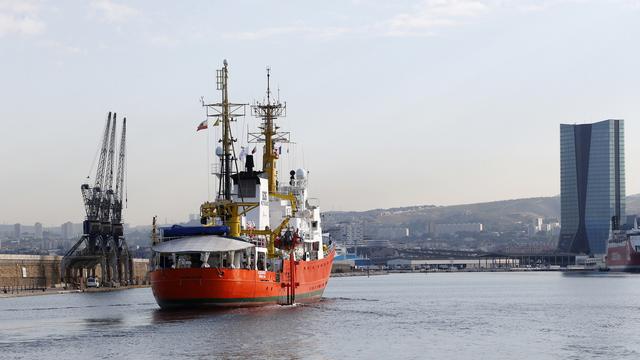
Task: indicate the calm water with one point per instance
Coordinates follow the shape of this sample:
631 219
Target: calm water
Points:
460 316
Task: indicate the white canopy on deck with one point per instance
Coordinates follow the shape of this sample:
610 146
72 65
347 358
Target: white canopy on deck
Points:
199 244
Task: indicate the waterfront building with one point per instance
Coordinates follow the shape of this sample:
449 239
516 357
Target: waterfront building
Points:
351 233
592 184
538 224
388 232
452 264
377 243
455 228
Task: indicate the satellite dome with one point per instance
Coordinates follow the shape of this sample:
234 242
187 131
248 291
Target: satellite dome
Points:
301 173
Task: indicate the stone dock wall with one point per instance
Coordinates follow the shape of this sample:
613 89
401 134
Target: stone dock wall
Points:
43 271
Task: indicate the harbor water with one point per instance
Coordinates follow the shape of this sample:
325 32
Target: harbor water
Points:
542 315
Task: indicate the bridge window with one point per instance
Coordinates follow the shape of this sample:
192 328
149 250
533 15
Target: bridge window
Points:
261 264
247 188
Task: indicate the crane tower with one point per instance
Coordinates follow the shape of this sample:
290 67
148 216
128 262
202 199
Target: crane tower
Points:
102 250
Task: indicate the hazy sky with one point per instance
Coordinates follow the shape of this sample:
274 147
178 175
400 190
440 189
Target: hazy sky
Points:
392 103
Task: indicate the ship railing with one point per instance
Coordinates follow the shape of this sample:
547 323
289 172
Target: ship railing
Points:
216 170
162 239
329 249
313 203
169 238
300 184
258 241
295 190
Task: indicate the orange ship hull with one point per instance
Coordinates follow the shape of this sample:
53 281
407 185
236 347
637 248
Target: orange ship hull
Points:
241 287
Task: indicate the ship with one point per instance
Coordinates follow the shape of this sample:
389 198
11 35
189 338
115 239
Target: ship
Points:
259 242
623 247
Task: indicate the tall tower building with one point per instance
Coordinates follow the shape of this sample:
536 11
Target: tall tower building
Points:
592 184
17 231
67 230
37 232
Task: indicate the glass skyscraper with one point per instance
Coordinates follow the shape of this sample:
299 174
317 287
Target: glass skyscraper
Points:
592 184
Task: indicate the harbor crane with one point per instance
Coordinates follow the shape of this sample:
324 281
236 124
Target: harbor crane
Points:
102 244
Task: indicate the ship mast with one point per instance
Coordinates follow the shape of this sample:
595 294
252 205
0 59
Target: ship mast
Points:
269 111
227 140
225 207
225 112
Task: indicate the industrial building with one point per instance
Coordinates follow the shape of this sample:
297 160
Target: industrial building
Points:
452 264
455 228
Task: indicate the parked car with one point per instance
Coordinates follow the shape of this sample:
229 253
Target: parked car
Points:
93 282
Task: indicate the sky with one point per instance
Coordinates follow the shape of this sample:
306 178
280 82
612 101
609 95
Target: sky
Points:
390 103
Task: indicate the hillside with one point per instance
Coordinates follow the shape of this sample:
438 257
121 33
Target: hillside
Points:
496 215
633 204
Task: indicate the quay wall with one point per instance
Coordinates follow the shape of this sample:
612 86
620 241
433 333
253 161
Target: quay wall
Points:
29 271
43 271
141 272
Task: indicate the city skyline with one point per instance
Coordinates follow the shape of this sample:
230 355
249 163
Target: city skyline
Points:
451 101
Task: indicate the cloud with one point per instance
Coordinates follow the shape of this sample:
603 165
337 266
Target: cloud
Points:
421 19
163 41
19 17
113 12
61 47
308 31
431 14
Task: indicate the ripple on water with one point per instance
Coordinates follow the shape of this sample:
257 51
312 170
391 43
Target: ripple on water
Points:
462 316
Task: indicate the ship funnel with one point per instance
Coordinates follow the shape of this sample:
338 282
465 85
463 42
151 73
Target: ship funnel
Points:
248 164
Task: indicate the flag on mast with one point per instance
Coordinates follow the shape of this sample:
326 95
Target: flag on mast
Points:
203 125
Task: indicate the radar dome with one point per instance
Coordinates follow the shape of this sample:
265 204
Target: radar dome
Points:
301 173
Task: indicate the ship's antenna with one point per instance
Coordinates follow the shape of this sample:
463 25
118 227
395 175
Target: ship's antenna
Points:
268 85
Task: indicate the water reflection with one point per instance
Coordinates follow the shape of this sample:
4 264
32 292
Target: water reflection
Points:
595 274
109 321
160 316
240 314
